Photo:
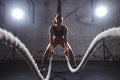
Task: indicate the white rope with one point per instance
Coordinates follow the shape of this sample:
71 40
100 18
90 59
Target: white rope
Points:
9 38
113 32
49 68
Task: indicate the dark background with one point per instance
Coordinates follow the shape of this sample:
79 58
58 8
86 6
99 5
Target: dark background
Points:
78 15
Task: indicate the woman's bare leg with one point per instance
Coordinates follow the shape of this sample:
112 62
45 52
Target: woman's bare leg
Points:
72 56
46 54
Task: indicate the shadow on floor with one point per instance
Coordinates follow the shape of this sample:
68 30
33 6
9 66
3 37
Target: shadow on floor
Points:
94 70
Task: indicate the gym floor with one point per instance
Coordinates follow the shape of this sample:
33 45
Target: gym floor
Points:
93 70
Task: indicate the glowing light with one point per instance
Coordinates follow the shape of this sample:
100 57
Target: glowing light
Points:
101 11
17 14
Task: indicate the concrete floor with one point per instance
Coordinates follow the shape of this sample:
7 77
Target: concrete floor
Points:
94 70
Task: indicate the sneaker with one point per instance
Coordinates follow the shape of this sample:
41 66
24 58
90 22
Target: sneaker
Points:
42 69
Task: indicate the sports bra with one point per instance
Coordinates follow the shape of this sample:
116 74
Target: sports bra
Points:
58 33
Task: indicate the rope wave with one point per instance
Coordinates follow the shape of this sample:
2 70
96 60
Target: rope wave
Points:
9 38
112 32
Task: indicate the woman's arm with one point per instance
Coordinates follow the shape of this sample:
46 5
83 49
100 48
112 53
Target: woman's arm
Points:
51 36
66 37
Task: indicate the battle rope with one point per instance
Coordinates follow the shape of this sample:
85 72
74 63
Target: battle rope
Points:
113 32
9 38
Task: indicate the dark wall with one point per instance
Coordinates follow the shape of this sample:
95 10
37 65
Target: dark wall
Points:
78 17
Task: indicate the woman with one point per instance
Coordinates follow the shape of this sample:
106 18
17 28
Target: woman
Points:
58 36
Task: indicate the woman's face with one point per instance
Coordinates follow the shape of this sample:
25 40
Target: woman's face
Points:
58 20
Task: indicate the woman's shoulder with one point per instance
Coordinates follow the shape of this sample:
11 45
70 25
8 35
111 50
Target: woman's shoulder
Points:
64 26
51 27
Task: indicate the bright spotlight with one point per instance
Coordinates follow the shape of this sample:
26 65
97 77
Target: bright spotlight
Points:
101 11
17 14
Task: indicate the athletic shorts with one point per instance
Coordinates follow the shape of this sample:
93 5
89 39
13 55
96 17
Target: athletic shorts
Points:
58 42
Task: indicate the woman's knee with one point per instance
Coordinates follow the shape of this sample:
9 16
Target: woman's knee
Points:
50 49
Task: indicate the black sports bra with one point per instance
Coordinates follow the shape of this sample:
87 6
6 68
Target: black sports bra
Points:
58 33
